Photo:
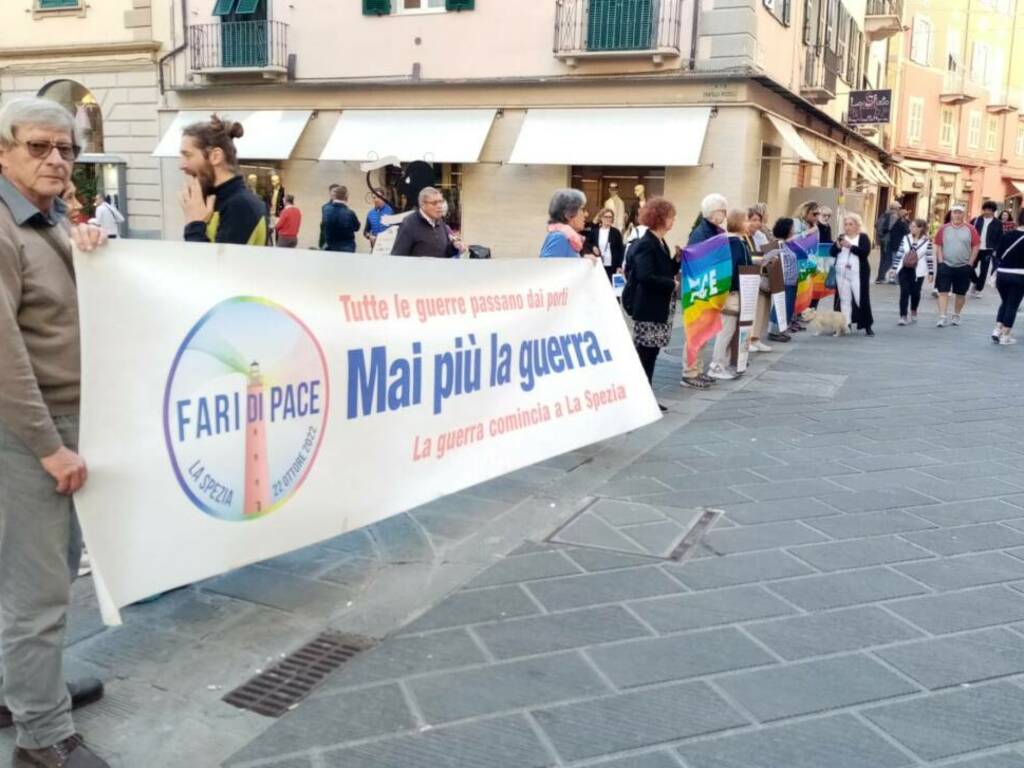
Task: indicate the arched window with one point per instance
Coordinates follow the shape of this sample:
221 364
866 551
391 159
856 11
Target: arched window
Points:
79 101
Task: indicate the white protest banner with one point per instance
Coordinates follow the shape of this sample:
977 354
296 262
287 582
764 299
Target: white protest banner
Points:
239 403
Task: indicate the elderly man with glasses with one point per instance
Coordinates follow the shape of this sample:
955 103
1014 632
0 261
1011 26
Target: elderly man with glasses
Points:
424 233
40 541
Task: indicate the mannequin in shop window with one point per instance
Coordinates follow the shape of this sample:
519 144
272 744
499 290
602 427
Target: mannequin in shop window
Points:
617 205
633 217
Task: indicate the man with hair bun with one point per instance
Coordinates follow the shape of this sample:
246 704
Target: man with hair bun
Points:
218 206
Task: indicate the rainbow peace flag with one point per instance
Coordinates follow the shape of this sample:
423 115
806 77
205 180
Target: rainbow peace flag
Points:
825 262
707 279
806 249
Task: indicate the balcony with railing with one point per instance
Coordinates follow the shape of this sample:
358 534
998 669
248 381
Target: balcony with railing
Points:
1002 100
603 29
239 47
883 19
821 75
958 88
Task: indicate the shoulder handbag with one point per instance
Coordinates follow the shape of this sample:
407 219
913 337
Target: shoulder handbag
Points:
831 282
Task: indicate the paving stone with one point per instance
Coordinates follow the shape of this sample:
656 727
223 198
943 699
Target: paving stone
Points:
589 530
329 720
636 719
967 658
711 572
805 470
835 590
749 460
357 543
845 630
283 591
720 478
966 571
661 659
474 607
767 536
1004 760
967 512
954 723
400 540
813 686
1016 499
891 461
412 654
560 631
615 512
708 609
456 695
539 565
837 742
967 470
971 538
503 742
773 511
644 760
594 560
886 478
353 572
627 488
705 497
870 524
607 587
980 488
873 500
940 614
859 553
795 490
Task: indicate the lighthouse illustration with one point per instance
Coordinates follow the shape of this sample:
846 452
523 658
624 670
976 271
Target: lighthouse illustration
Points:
257 475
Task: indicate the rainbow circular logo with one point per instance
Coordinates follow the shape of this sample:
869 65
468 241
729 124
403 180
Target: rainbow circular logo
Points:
245 408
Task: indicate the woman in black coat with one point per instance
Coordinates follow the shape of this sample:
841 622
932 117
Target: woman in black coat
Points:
656 276
853 274
605 242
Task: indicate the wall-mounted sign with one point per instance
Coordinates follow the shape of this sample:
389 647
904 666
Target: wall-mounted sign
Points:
868 107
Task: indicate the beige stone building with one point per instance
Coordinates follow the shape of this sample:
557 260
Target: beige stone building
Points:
507 100
98 59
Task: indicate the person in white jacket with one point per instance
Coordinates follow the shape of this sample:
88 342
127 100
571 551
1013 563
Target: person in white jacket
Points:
107 217
913 262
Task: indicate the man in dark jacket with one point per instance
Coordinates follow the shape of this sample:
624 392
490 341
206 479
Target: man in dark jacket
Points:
899 230
990 231
340 223
424 233
882 228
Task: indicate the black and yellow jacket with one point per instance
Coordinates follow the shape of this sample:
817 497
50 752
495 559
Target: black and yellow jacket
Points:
239 217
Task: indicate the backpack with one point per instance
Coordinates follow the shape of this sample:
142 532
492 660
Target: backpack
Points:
911 258
629 296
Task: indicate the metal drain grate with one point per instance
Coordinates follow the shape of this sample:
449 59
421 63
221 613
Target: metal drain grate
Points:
275 691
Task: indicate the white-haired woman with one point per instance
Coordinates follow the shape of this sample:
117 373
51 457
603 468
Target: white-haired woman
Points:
566 222
713 210
853 274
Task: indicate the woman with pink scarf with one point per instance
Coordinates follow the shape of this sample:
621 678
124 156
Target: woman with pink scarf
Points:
566 220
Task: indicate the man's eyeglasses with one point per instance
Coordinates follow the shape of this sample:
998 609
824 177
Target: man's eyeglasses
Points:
42 149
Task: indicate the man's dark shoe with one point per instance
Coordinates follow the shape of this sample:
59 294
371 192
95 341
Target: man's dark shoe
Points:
783 337
70 753
83 692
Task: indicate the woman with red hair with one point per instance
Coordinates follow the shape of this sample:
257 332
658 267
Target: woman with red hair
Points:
656 274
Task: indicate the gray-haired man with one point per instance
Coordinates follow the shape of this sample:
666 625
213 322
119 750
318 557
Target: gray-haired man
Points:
40 542
424 232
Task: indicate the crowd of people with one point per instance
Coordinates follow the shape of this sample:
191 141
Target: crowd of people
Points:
962 256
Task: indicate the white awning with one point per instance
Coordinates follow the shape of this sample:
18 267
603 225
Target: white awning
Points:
944 168
270 134
434 135
650 136
1018 184
792 139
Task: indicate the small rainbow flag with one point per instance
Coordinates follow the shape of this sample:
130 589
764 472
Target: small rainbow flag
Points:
707 279
806 249
825 262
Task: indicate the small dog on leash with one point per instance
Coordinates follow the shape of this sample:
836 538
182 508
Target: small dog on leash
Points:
824 321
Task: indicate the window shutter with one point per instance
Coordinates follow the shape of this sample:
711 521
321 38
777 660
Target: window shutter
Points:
459 5
48 5
245 7
223 7
376 7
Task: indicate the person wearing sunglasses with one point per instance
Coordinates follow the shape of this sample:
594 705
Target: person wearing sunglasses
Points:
40 468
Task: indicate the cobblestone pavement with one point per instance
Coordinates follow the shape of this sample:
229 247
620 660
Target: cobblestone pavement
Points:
857 604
